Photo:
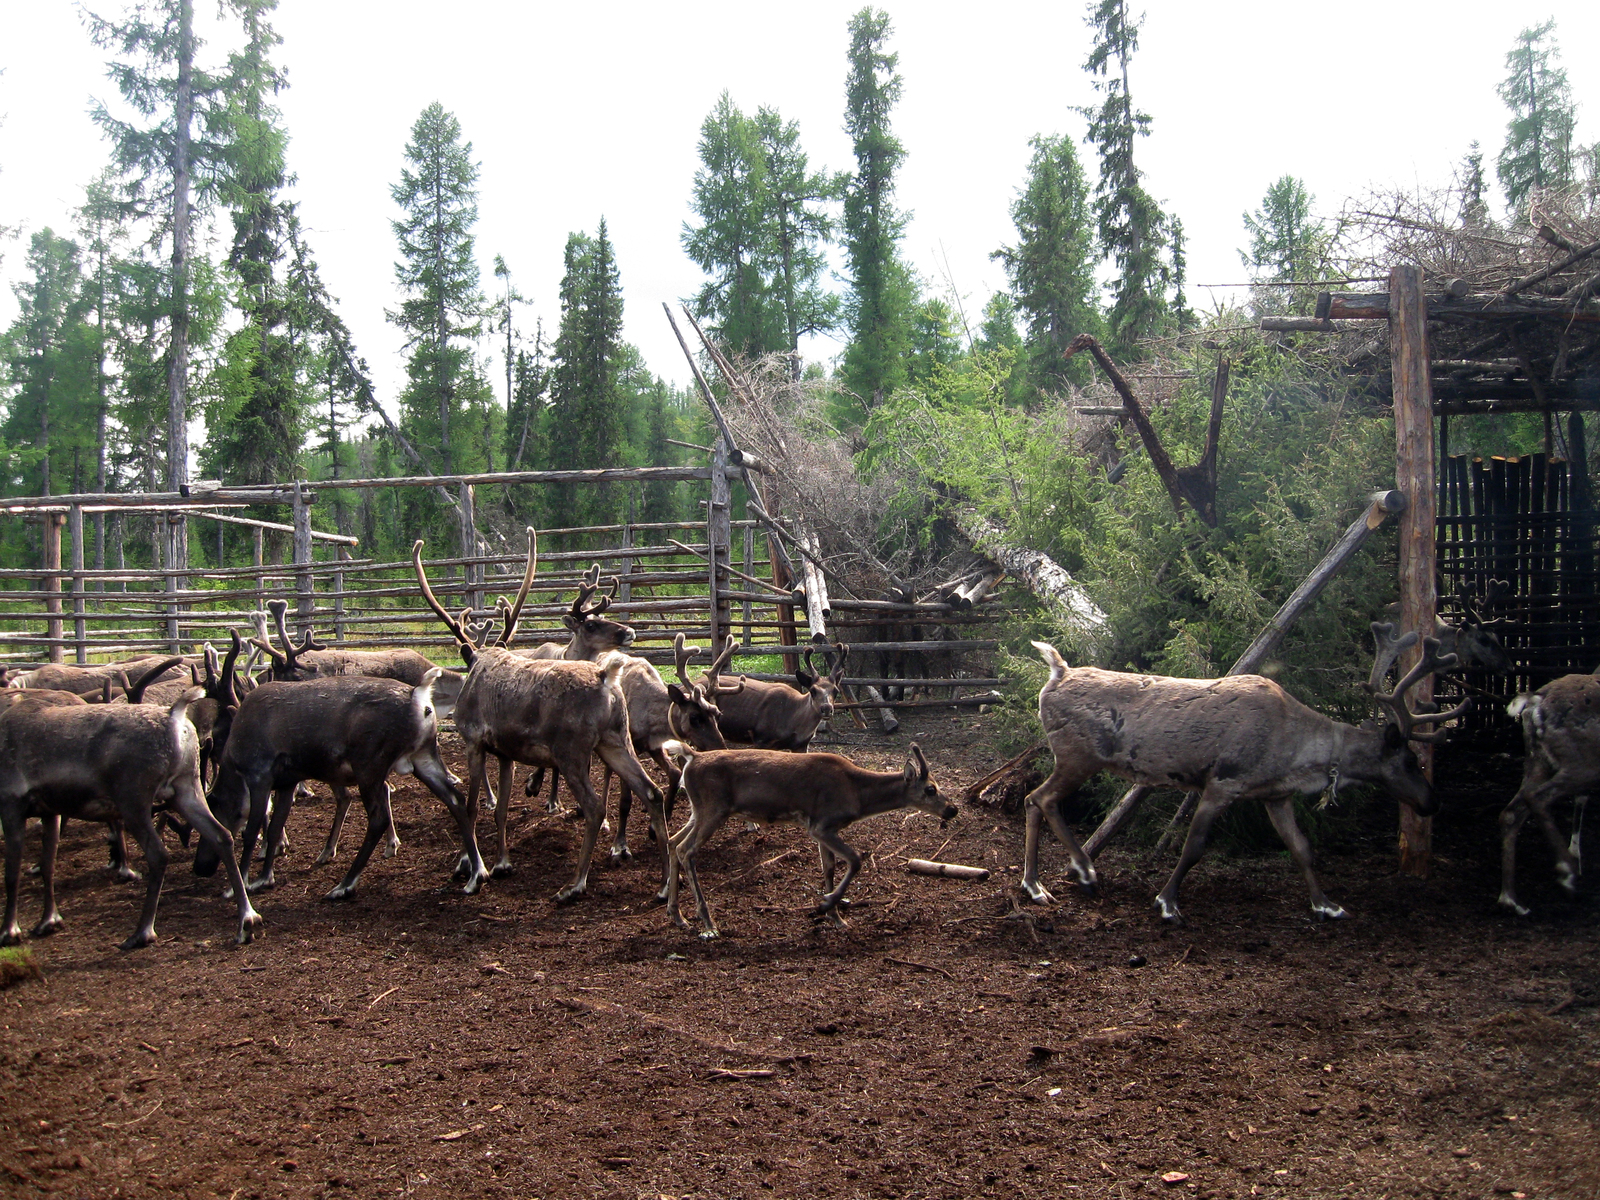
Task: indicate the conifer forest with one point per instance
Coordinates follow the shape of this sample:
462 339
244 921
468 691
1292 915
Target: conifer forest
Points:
1053 584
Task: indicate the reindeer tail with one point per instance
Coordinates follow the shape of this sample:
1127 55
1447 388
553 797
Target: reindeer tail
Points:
422 694
183 731
612 662
679 752
1525 708
1053 660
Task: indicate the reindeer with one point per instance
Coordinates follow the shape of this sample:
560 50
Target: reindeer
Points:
1561 735
1240 737
93 762
547 713
823 792
774 716
346 730
1475 645
659 713
592 633
90 681
312 660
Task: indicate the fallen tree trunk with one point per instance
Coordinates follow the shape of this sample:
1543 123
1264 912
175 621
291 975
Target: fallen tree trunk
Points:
1066 601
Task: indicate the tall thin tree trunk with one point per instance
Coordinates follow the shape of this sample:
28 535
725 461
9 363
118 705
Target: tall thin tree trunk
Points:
100 420
178 357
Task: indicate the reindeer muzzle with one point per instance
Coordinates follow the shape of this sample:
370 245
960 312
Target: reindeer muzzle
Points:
950 813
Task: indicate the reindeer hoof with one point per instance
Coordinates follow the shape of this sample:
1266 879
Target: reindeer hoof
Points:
46 928
621 854
709 935
1567 878
340 892
1037 893
1330 912
1169 911
138 941
568 894
128 875
501 870
249 928
1510 905
11 937
391 849
265 884
474 883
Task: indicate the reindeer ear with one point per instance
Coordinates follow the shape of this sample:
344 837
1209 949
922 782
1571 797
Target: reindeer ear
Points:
806 680
571 622
679 696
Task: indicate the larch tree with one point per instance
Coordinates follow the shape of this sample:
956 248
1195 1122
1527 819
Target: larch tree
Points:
1538 150
1133 231
1051 266
438 275
882 290
1287 245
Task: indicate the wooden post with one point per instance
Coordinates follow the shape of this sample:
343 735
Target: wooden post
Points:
261 578
75 525
472 573
718 535
1414 475
51 539
175 530
343 553
306 601
782 578
749 562
625 592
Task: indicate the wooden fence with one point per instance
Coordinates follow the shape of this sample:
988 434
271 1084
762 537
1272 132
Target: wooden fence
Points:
669 581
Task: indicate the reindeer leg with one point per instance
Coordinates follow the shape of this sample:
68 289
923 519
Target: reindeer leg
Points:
1281 813
1539 801
375 798
260 793
50 839
1212 803
1511 821
1042 804
155 857
502 815
833 844
469 865
341 805
11 932
190 801
433 773
594 812
117 851
619 840
685 843
282 802
1575 843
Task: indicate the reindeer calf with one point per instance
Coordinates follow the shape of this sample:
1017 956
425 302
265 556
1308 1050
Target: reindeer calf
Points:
823 792
774 716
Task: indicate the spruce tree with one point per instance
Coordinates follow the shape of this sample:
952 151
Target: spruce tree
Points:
882 291
1538 150
1287 245
1051 267
1471 186
443 306
1133 231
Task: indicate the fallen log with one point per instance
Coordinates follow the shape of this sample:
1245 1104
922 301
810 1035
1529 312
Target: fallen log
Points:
923 866
1061 595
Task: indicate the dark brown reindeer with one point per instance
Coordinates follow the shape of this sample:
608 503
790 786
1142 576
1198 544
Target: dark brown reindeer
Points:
99 761
1561 737
546 713
1237 738
823 792
775 716
660 713
347 731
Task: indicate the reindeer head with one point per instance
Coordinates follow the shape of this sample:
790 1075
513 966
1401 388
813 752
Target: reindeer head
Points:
921 791
823 687
286 664
1399 771
593 632
692 717
1475 643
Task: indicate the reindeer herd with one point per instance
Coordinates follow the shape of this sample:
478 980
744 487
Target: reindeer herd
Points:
212 748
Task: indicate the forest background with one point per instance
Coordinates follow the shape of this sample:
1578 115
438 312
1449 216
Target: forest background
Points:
915 217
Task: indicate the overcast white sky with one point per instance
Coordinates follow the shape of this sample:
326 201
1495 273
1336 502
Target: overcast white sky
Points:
581 110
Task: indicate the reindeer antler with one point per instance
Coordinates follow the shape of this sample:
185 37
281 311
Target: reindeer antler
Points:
714 673
1406 720
469 648
514 612
682 652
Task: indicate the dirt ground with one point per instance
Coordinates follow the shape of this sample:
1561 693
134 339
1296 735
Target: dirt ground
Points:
415 1042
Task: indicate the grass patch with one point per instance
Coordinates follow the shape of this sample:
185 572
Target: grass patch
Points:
17 966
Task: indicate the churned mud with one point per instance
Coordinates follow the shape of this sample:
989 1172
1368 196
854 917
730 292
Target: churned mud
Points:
951 1042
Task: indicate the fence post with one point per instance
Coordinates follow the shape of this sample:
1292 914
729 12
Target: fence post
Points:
261 578
338 594
306 602
471 573
51 538
75 524
173 531
749 565
1414 475
625 592
718 536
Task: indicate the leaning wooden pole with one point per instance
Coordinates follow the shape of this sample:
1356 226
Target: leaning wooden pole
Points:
1414 475
1381 505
